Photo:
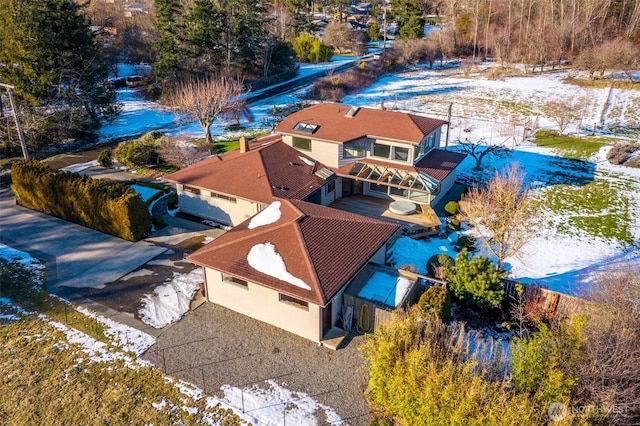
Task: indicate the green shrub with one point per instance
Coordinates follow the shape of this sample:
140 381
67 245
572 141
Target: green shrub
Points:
104 159
436 299
309 48
466 241
139 152
476 280
438 264
451 207
113 208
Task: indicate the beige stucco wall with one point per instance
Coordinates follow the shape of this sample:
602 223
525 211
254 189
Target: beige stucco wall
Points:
262 303
325 152
217 209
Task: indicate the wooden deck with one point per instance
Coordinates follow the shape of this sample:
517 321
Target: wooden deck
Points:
422 223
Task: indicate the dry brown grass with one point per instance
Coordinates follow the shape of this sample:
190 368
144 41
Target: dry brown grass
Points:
46 380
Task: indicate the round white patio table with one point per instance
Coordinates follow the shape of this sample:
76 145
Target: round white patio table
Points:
402 207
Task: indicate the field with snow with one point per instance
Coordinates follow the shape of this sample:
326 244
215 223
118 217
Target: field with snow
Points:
569 246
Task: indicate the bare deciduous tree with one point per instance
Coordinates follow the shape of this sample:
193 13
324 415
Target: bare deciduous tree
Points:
208 99
479 150
502 213
564 112
181 153
610 376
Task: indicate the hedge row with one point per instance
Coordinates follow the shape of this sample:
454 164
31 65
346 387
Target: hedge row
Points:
113 208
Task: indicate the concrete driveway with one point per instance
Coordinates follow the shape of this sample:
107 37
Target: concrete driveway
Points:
75 256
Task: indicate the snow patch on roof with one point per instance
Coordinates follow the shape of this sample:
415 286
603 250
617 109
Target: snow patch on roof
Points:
264 258
267 216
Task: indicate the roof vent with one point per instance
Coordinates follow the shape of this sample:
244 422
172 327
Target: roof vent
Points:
352 111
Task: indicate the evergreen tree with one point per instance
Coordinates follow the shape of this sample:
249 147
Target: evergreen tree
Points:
409 17
50 56
169 29
476 281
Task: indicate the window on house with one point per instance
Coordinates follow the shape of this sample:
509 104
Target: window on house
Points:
305 127
400 154
331 186
378 188
353 149
380 150
432 140
191 189
303 144
224 197
293 301
235 280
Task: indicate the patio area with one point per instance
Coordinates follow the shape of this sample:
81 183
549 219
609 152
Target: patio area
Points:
424 222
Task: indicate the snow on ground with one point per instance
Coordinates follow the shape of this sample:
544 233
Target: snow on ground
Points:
267 216
12 255
144 191
127 338
77 168
170 301
269 405
277 405
264 258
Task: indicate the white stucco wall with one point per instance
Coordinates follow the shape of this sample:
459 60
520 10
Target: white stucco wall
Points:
263 304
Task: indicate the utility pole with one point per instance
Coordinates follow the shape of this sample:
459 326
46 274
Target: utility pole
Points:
446 140
384 30
10 88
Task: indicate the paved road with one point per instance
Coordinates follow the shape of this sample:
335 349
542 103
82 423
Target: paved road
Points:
75 256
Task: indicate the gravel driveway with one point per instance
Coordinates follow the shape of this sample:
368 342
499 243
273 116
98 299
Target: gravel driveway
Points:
223 347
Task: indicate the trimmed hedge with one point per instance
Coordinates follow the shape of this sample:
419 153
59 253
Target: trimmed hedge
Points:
113 208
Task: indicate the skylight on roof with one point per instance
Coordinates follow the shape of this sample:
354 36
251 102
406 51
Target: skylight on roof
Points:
351 111
305 127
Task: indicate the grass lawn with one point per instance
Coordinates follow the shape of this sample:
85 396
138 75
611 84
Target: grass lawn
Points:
598 207
581 148
46 379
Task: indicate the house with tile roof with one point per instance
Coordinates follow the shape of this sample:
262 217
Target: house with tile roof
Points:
290 264
384 154
289 258
230 188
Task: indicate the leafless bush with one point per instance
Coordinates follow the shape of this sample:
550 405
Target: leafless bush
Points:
610 375
181 153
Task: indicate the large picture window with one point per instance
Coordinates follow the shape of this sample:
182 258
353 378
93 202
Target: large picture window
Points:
354 149
380 150
400 154
303 144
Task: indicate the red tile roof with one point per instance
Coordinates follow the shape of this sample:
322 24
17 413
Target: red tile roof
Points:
335 126
439 164
269 169
322 246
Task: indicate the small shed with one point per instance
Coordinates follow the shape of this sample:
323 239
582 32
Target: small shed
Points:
375 293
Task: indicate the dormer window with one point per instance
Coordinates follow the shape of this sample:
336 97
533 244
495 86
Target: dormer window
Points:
301 126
